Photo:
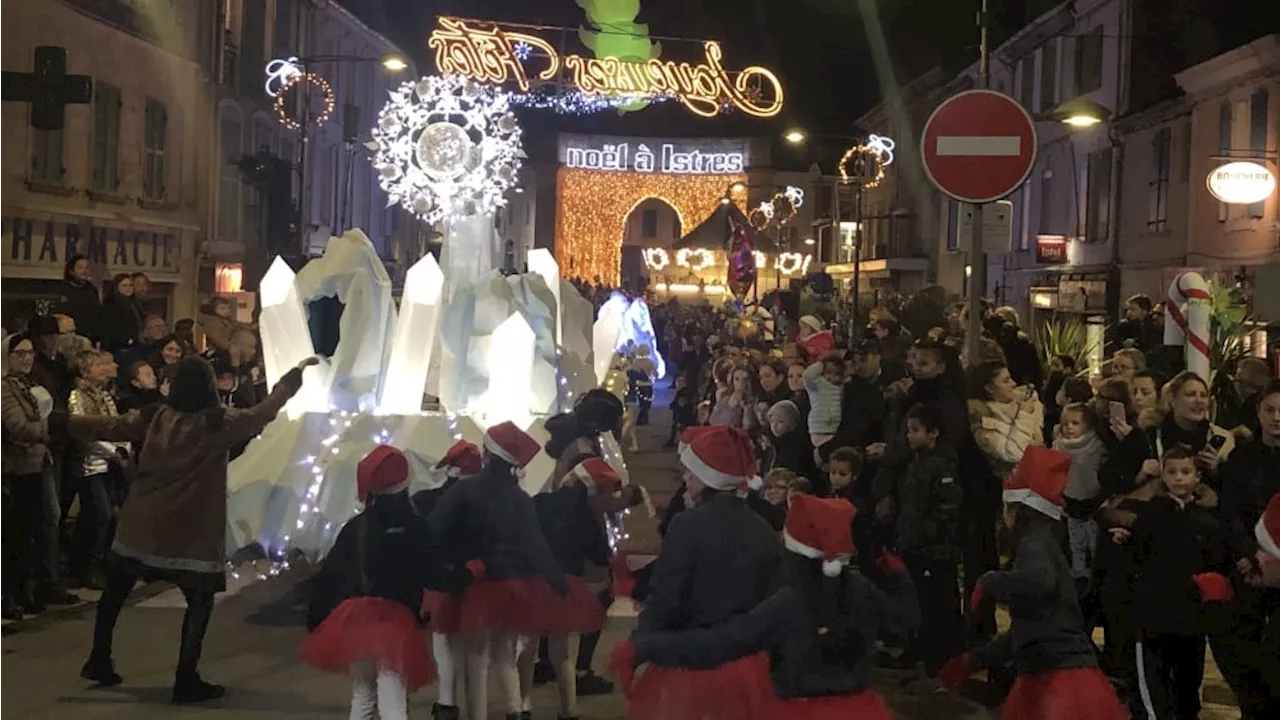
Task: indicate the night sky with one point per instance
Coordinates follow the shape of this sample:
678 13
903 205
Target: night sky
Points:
819 48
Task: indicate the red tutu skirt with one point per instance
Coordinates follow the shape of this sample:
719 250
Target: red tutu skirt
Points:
865 705
371 629
527 606
739 690
1069 694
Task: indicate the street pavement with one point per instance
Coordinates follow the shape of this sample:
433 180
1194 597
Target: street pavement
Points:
253 639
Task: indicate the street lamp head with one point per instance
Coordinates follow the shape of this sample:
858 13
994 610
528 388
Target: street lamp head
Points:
394 63
737 187
1080 113
795 136
809 241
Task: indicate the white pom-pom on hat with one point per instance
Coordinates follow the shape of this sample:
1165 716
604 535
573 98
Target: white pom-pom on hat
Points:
832 568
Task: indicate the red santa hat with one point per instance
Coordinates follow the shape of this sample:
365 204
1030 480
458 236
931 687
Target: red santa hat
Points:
721 457
507 441
385 470
462 460
822 529
1039 480
1268 528
597 475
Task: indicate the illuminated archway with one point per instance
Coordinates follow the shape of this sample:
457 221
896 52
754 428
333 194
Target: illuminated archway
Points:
594 205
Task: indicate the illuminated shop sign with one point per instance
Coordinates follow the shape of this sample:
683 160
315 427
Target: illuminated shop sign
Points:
1241 183
486 52
669 158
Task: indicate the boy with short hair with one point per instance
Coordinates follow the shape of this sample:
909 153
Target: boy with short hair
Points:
843 468
927 538
1179 554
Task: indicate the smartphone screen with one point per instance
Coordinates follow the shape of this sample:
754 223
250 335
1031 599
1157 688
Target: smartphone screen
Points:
1217 441
1116 411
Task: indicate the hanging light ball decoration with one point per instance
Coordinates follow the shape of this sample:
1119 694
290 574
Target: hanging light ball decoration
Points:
784 209
308 80
446 147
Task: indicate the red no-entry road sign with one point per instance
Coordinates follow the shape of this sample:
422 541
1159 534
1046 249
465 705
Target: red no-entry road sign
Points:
978 146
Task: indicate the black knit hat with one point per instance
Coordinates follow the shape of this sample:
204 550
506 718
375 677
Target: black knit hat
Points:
194 387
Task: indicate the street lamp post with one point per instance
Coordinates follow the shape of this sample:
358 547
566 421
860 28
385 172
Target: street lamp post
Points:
977 257
392 63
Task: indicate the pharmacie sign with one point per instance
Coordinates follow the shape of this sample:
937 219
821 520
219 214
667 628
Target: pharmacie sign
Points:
48 243
655 155
489 52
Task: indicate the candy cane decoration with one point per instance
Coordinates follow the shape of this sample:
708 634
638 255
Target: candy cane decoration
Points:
1189 328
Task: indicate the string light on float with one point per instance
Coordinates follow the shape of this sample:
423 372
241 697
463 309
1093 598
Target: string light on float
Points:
308 79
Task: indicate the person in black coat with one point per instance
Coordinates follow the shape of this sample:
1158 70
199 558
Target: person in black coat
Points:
849 612
521 589
722 633
463 460
363 615
575 530
1179 559
122 316
78 298
1057 670
1250 478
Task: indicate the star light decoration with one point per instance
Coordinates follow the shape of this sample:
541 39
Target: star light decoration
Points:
446 147
781 208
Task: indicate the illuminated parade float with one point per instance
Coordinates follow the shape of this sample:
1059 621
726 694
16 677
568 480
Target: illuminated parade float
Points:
472 343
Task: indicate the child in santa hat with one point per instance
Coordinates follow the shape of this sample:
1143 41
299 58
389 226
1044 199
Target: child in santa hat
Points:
722 635
521 590
849 611
572 519
1058 676
363 615
462 460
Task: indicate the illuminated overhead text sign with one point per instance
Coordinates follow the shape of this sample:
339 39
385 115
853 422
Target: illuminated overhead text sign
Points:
668 159
491 54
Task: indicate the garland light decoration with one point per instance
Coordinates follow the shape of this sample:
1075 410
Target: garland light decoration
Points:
695 258
864 163
656 258
446 147
311 80
789 263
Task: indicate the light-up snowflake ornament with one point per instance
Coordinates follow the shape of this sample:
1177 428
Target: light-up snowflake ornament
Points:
446 147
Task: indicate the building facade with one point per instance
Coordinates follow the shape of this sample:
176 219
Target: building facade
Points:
1230 112
331 183
124 181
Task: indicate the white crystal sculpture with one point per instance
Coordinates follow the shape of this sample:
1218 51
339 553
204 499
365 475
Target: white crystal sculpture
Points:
351 271
605 334
542 262
510 362
416 331
286 341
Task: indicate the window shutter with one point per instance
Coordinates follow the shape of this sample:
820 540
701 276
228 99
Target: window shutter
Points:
1258 139
113 142
99 137
162 138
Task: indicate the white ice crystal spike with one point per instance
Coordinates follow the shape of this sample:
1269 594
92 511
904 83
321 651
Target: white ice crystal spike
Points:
510 364
605 334
416 330
286 340
542 262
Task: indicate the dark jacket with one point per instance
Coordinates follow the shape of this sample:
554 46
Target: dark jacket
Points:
81 301
719 559
133 398
794 451
572 528
384 552
943 392
851 613
1249 478
121 323
863 413
1045 630
929 499
684 407
425 501
1171 543
491 518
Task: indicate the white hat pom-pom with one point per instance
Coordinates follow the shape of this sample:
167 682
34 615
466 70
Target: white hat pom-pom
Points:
832 568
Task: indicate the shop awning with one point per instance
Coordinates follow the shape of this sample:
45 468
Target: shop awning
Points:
713 233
